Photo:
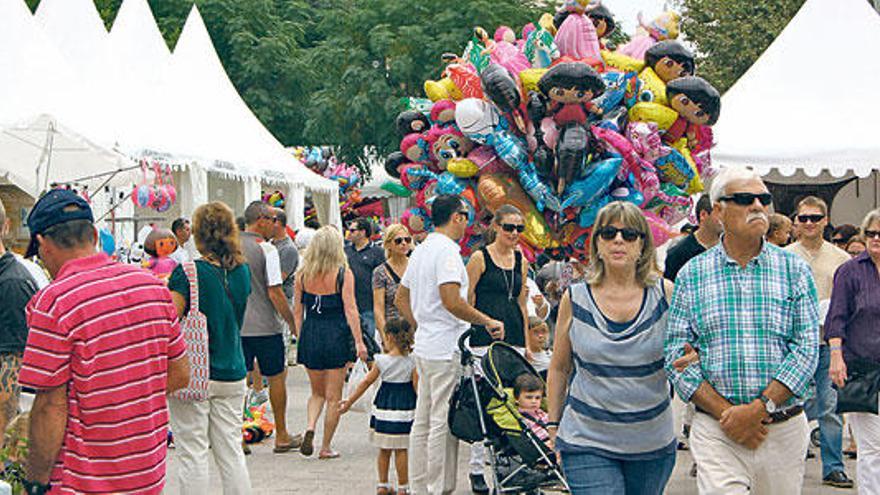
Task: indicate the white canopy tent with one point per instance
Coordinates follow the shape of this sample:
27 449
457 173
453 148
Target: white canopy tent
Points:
124 90
803 115
806 104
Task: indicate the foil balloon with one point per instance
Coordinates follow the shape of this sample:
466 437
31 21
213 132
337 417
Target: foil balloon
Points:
443 113
537 189
540 49
476 118
664 27
410 121
510 57
495 190
393 163
577 38
416 221
595 184
659 114
571 154
415 177
660 230
503 91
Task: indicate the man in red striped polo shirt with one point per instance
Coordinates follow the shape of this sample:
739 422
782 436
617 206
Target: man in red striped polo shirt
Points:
103 349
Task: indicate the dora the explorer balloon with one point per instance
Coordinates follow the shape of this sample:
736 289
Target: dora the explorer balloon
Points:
570 88
603 21
664 62
698 105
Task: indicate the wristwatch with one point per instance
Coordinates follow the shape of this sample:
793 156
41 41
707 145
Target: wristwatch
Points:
35 487
769 405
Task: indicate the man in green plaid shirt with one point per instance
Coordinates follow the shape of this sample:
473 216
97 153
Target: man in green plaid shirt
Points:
751 312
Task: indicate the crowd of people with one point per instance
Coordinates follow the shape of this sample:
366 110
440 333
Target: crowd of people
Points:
757 321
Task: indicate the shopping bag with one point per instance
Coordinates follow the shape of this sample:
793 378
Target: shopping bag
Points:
365 402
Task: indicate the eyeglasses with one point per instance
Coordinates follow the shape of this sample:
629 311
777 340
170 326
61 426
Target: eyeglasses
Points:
810 218
401 240
609 233
872 234
746 199
510 227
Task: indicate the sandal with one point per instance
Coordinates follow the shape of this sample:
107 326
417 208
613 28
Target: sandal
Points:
403 490
308 447
383 488
328 454
295 443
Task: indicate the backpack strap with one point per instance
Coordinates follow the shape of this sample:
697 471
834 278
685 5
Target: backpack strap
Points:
189 268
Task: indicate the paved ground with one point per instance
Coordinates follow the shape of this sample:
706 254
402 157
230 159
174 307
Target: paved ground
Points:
354 471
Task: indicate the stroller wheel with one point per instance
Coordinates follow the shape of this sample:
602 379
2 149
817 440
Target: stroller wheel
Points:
814 437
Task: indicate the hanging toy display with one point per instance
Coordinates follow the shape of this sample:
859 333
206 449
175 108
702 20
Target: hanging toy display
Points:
560 128
160 194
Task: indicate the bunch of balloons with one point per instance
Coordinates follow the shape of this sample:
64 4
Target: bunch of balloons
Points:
558 126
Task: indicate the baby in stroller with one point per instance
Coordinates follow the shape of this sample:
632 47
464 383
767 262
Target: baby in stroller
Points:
528 390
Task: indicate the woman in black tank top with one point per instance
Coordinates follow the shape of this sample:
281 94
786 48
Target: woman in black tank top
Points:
496 276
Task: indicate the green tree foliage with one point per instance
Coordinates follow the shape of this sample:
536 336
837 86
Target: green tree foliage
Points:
731 34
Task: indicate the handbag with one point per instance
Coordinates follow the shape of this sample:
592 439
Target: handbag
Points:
860 392
194 328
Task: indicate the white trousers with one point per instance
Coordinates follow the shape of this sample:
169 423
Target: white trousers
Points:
433 451
725 467
214 423
866 429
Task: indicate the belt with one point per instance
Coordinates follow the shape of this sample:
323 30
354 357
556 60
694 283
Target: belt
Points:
775 418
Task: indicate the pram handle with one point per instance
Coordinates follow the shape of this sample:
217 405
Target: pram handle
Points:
466 354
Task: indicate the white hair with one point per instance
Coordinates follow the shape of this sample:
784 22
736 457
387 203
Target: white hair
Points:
728 175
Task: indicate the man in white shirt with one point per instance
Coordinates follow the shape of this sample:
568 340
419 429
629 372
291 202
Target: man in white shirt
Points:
182 231
433 297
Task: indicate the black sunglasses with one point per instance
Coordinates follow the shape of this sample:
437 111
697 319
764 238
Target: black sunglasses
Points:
463 212
746 199
401 240
510 227
810 218
609 233
872 234
839 240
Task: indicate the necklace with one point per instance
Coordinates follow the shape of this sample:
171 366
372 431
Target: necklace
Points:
508 283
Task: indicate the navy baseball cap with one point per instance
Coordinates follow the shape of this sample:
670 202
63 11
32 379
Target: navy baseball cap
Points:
55 207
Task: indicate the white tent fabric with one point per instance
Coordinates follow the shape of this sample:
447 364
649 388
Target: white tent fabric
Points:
806 104
37 153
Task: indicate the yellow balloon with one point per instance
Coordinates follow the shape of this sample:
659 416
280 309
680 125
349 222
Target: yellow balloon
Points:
661 115
652 83
537 233
546 22
696 184
529 79
462 167
622 62
444 89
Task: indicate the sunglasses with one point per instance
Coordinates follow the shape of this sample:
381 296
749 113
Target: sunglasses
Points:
463 212
609 233
838 240
746 199
401 240
872 234
510 227
811 219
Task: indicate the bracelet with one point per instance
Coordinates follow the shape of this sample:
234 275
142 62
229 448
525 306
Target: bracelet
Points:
835 347
554 424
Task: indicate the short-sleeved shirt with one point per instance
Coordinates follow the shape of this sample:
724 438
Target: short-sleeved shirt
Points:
435 262
17 286
382 280
106 331
224 311
681 253
288 259
362 263
823 264
265 267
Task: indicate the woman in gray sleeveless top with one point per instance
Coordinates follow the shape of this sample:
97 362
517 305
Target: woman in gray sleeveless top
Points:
607 391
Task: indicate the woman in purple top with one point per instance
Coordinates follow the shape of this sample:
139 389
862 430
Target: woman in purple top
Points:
852 329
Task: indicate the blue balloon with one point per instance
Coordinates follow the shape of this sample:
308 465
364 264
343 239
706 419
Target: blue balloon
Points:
594 185
108 243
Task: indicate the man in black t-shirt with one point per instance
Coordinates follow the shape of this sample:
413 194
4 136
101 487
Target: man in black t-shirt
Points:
707 235
363 258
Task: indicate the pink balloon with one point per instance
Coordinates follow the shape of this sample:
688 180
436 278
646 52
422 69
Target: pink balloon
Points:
577 38
659 228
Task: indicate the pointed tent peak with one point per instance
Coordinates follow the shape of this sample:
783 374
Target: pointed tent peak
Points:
135 29
70 15
195 41
75 28
194 23
14 11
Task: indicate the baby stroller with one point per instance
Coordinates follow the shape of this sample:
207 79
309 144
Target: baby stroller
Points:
483 409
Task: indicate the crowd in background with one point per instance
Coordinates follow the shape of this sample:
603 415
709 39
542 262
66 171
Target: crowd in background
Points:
754 319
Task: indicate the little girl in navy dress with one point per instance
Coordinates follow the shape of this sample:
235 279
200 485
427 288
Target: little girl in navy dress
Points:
394 406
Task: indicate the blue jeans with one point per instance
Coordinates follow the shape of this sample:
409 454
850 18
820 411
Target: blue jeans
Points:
590 474
822 407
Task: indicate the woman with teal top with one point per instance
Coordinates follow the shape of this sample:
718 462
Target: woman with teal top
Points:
214 425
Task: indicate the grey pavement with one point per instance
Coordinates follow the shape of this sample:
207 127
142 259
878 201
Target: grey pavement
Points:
355 472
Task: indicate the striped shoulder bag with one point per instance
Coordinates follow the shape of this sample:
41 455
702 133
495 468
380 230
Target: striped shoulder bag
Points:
194 328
